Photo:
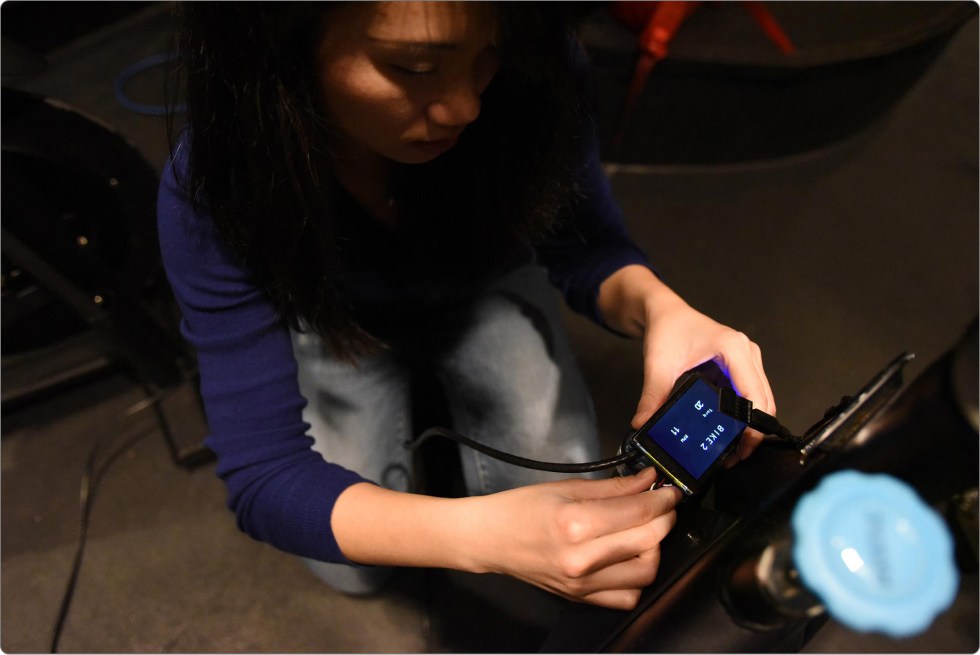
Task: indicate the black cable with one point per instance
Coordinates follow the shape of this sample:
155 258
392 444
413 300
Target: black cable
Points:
731 404
90 479
741 409
553 467
736 406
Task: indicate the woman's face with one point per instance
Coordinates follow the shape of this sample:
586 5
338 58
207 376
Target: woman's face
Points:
404 79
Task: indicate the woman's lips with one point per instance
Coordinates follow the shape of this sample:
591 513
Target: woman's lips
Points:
436 146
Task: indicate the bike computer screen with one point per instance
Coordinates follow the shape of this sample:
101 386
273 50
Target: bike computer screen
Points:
688 437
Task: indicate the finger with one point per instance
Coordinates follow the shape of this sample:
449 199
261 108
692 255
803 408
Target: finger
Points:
617 599
658 380
751 439
736 358
610 549
757 360
579 489
613 515
633 573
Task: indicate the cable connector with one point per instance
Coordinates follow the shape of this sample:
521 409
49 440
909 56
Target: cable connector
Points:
741 410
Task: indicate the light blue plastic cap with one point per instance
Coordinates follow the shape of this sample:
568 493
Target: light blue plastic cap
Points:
875 554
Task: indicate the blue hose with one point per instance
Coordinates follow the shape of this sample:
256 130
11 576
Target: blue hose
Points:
138 67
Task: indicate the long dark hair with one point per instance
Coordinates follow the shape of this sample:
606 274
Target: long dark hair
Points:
259 166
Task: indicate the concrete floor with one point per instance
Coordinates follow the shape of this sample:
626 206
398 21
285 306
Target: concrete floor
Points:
871 249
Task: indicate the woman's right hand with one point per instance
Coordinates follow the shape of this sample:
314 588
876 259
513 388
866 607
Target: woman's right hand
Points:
594 541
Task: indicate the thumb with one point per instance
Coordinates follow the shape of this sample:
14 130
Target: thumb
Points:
657 384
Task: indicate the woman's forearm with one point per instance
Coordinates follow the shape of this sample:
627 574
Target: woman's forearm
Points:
374 525
589 540
630 297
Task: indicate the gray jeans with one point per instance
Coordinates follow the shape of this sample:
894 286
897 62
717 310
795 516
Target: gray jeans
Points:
510 380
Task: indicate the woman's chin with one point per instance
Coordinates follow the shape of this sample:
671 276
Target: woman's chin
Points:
420 152
414 158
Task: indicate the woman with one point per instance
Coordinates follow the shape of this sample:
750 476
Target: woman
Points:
366 189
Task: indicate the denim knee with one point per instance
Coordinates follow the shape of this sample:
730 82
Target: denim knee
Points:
351 580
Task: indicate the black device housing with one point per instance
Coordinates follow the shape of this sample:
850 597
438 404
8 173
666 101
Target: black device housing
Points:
674 471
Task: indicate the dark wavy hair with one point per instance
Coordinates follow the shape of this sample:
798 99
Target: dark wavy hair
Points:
260 168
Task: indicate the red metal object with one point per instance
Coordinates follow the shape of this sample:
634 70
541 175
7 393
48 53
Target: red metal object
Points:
769 25
659 22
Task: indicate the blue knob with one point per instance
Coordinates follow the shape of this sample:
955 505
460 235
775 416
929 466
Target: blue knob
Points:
874 553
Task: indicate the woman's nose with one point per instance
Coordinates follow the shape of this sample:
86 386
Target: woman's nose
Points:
458 106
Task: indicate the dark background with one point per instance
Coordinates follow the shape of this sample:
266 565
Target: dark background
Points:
44 28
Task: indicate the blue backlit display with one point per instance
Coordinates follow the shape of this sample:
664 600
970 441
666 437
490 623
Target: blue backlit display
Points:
693 431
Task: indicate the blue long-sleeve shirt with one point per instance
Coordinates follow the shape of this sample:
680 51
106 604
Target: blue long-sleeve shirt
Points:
281 490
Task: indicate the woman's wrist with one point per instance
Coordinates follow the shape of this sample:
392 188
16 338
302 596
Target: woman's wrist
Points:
374 525
632 298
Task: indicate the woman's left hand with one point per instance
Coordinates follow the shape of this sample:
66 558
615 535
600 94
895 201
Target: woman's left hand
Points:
676 338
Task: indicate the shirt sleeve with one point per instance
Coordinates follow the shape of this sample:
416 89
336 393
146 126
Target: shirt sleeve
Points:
282 491
592 242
